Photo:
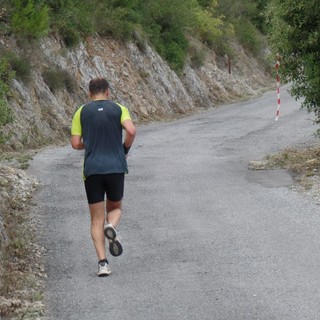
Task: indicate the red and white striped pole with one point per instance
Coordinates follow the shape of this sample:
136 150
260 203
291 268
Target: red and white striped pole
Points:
278 89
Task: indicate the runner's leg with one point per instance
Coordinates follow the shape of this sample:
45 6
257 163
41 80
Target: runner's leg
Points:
113 212
97 212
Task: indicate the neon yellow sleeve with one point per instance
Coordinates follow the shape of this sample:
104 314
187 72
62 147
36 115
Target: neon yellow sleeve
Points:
76 129
125 115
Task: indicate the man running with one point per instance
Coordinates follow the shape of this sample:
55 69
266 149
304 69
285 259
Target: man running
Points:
97 127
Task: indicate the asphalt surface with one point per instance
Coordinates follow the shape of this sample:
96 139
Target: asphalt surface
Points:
203 236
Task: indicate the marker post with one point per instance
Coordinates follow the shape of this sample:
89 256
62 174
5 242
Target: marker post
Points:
278 89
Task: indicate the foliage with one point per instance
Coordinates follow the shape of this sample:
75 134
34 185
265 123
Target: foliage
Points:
208 27
251 10
247 17
197 56
19 65
168 25
120 22
71 20
57 79
5 77
30 19
248 35
294 32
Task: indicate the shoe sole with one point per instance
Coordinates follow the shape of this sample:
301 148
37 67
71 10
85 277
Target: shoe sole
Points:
115 246
110 233
104 274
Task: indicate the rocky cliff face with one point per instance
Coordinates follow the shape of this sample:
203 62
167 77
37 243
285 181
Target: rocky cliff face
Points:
140 80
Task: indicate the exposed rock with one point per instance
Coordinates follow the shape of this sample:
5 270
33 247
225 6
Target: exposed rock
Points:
141 80
258 165
14 184
8 305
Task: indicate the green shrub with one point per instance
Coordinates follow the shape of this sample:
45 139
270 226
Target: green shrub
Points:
140 38
197 56
208 27
5 78
167 24
176 55
57 79
5 113
21 67
72 20
120 22
30 19
71 37
248 35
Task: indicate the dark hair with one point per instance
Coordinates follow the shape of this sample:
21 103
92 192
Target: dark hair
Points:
98 85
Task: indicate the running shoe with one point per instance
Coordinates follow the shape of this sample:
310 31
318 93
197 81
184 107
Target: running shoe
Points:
103 269
115 246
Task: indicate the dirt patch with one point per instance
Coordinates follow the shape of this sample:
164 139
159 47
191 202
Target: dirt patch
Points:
303 163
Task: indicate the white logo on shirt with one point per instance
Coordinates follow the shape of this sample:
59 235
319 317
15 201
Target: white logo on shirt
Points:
100 109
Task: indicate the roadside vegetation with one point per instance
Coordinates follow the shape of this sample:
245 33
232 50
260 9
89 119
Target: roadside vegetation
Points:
6 75
295 38
292 27
169 26
304 164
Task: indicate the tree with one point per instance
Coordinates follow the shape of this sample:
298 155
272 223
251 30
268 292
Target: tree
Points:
294 27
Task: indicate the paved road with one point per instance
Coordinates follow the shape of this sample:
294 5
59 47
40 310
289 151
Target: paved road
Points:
204 237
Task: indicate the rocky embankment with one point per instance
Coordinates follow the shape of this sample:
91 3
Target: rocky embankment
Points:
21 267
140 80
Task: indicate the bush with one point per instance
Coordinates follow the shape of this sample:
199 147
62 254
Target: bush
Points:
120 22
197 56
294 36
176 55
5 113
208 28
166 24
5 77
30 19
19 65
70 36
248 35
57 79
72 20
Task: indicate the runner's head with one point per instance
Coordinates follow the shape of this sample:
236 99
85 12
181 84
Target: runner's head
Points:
98 86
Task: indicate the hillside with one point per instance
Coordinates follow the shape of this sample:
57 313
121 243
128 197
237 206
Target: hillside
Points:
42 106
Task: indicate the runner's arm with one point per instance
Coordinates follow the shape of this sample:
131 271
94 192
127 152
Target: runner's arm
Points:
76 142
130 132
76 131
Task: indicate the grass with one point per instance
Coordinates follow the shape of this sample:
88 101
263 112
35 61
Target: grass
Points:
22 159
303 162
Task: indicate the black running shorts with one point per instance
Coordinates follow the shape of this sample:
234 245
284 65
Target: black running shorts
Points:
99 185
